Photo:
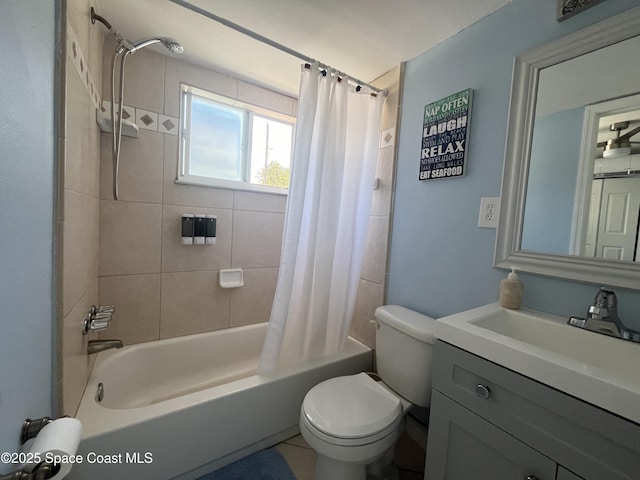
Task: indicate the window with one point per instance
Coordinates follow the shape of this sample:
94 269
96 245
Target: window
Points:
229 144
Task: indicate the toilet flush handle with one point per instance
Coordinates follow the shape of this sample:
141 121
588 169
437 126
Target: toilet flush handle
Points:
375 323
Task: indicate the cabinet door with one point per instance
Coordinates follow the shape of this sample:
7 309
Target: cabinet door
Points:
462 445
564 474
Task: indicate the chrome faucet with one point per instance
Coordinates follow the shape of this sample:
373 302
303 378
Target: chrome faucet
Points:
96 346
602 317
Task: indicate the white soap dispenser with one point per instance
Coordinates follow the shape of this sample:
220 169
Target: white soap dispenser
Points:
511 289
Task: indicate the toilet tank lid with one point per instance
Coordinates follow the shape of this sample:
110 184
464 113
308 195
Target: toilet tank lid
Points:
414 324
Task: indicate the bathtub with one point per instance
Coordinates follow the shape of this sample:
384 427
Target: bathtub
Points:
181 407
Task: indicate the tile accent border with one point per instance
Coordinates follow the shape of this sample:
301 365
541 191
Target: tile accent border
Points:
154 121
74 52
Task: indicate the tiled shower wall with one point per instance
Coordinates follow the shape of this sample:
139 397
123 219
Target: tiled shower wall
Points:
78 200
162 288
372 289
128 253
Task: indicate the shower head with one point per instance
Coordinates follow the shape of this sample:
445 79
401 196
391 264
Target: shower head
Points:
171 45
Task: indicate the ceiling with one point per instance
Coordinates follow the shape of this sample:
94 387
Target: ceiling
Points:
362 38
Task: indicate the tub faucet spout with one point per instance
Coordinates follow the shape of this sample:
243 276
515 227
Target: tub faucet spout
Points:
96 346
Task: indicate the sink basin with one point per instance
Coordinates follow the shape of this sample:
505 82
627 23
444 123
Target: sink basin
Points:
599 369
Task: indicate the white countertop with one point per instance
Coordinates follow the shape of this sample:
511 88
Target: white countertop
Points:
598 369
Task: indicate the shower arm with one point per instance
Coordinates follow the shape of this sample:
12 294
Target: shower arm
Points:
102 20
105 22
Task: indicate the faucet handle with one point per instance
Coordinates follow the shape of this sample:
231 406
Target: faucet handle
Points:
606 298
98 326
97 319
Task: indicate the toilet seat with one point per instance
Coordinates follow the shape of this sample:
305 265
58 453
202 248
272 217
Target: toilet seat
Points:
351 410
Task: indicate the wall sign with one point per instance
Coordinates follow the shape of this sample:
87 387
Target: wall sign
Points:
444 136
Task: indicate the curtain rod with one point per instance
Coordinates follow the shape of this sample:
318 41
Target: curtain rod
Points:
265 40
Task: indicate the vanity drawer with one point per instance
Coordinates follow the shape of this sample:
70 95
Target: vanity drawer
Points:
587 440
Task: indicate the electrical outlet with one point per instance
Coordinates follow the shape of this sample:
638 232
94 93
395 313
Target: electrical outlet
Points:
489 212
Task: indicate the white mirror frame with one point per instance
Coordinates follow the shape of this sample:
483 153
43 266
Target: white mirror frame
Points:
524 85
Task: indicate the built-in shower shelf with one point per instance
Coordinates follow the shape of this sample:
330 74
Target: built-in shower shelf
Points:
129 129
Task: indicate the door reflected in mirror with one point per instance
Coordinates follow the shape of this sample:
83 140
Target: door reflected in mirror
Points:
583 183
612 226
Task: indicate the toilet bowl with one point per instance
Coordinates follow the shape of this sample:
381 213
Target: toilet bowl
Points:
350 422
353 422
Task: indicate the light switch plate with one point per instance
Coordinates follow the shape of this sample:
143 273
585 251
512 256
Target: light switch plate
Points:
489 212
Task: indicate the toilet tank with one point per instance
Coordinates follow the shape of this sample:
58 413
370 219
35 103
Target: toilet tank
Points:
404 349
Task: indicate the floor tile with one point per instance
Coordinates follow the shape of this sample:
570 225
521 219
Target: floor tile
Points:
409 458
298 441
302 461
409 455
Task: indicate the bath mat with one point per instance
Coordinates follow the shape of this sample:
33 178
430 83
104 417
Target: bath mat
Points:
265 465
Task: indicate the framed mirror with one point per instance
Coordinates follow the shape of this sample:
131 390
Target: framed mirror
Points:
571 133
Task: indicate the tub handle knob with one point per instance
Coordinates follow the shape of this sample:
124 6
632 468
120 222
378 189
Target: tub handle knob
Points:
98 318
98 326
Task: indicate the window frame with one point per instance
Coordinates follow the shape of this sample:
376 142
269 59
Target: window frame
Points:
249 111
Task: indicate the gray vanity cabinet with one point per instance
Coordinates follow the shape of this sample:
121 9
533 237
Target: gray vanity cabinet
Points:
564 474
469 447
488 422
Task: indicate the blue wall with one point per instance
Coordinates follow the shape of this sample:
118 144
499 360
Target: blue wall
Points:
27 33
551 188
441 262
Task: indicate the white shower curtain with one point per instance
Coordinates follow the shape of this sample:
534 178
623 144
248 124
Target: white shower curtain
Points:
327 216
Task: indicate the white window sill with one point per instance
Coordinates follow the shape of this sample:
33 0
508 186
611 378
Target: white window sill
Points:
229 185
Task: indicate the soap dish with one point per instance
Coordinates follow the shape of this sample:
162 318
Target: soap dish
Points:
231 278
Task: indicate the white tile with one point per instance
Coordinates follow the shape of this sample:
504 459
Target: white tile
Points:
180 258
137 301
144 80
192 302
167 124
268 99
146 119
259 202
257 239
252 302
129 111
130 238
73 48
141 168
83 68
387 137
93 92
178 71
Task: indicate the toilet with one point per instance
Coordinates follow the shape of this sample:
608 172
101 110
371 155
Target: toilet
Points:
354 421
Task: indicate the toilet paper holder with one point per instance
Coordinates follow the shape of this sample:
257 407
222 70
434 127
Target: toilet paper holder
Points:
42 472
31 428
